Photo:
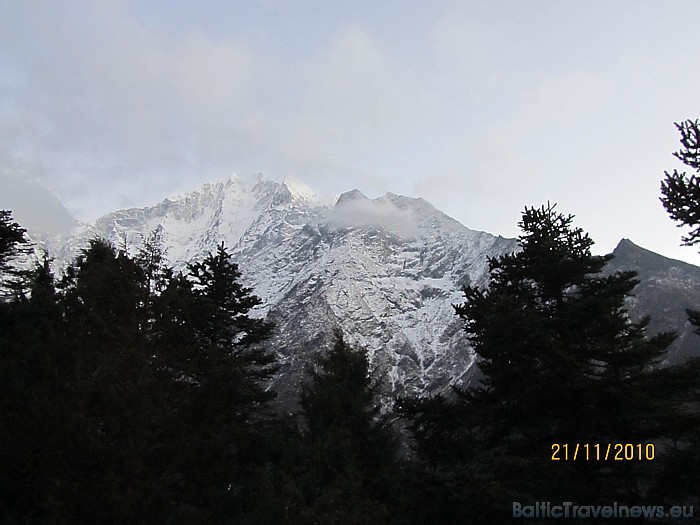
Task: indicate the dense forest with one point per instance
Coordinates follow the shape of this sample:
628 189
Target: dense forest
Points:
131 394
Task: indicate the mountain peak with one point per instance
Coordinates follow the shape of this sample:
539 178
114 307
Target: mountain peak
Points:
385 271
299 190
625 243
352 195
635 257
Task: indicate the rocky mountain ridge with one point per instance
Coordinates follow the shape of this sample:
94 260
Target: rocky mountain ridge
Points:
384 271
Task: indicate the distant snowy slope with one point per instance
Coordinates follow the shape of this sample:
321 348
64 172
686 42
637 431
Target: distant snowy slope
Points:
385 271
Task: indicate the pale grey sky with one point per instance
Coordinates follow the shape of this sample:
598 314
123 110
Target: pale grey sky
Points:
479 107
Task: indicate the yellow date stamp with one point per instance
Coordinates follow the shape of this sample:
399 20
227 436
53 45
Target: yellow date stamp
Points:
603 451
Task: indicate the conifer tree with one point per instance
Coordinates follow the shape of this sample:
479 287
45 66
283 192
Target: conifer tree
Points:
13 243
351 469
210 351
28 329
106 291
12 239
681 192
227 334
110 389
681 199
82 407
130 395
152 258
562 363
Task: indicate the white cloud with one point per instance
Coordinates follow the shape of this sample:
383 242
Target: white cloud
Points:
381 213
96 96
479 107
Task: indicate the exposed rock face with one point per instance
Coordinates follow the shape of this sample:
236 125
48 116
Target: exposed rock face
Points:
666 289
384 271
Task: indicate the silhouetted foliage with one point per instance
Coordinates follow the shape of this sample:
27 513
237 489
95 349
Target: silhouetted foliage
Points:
351 471
130 395
561 363
209 346
12 239
681 192
13 243
681 199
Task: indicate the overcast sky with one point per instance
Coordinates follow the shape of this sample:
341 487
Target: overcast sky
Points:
479 107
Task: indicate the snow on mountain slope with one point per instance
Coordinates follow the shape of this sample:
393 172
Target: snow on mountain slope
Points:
385 271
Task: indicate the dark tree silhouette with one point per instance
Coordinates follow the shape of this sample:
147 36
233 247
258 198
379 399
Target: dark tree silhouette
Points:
561 363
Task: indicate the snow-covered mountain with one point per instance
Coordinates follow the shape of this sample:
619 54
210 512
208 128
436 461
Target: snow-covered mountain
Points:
385 271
